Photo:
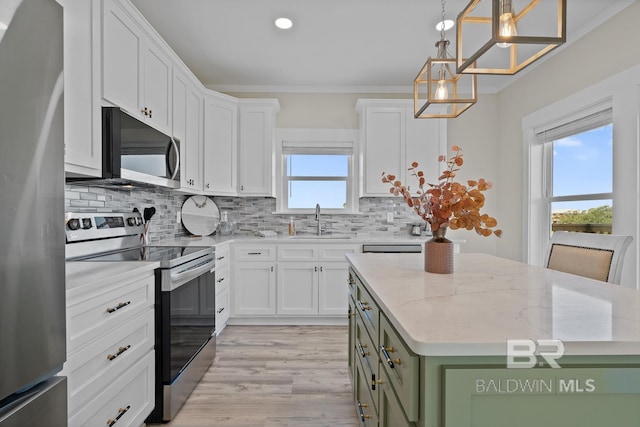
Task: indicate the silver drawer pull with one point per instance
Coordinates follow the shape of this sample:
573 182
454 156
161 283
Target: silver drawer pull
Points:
254 253
363 416
220 310
361 348
118 307
120 351
385 351
220 258
364 306
121 412
220 280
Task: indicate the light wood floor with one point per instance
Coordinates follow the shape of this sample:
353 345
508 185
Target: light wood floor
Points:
274 376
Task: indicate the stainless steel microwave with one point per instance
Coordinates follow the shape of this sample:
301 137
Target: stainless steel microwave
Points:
134 152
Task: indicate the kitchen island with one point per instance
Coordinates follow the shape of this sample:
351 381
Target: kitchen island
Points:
432 350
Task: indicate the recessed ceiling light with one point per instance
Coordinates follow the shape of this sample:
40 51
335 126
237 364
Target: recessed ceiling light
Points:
448 24
283 23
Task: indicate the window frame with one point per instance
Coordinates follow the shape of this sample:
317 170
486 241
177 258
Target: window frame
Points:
316 141
539 171
571 128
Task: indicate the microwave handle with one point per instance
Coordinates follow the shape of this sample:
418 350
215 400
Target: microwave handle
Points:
177 166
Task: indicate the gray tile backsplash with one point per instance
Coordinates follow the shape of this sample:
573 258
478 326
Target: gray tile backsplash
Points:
249 214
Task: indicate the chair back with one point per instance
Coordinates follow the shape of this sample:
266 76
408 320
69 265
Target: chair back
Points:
597 256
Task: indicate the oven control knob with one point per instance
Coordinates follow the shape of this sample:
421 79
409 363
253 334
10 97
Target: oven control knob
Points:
73 224
131 221
86 223
138 221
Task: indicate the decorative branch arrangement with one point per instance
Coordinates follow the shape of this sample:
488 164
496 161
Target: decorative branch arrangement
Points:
448 203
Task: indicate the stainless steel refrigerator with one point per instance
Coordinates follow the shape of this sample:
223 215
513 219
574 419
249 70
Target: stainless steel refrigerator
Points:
32 266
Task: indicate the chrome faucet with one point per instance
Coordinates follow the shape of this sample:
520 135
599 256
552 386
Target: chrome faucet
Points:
318 217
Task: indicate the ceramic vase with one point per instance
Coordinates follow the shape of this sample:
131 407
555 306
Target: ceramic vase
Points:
438 253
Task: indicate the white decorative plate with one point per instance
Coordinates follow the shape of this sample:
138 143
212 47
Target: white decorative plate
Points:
200 215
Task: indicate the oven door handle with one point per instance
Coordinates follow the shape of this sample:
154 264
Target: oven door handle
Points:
178 279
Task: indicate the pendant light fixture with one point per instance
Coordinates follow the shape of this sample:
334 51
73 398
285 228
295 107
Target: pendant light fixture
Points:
440 92
504 36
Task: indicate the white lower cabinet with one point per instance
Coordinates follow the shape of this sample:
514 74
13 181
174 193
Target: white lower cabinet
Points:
297 288
110 365
223 283
299 282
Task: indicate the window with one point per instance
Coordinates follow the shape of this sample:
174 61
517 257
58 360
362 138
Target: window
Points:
316 167
579 174
316 178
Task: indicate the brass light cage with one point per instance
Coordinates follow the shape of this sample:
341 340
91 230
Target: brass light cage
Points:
425 86
479 62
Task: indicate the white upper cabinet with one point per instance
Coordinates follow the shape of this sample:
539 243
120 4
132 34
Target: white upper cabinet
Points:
186 119
136 73
82 113
257 121
192 166
392 139
220 144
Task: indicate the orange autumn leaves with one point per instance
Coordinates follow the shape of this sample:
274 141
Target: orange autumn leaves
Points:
448 203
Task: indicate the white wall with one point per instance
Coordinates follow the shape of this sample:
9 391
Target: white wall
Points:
607 50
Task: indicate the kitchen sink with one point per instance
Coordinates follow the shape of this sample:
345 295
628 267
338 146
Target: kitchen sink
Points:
322 236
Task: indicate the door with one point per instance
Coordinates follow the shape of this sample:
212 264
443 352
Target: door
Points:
157 88
297 288
333 291
220 146
383 147
254 290
32 258
193 141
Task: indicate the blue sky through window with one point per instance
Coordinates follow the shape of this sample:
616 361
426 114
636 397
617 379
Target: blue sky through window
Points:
304 194
583 164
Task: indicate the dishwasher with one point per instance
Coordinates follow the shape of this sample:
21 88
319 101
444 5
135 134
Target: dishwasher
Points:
392 248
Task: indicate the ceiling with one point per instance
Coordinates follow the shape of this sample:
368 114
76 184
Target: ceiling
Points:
374 46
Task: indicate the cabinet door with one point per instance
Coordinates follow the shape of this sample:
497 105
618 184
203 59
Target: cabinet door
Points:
121 59
384 129
256 151
193 141
82 115
297 288
157 88
220 146
333 290
254 290
179 107
425 142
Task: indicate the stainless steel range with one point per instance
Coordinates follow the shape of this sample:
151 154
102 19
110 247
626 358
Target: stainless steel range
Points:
185 298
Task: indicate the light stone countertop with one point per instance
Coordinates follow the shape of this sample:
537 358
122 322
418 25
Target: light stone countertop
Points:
84 276
489 300
300 238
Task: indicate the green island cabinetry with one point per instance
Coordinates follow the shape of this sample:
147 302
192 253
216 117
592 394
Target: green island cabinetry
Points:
432 350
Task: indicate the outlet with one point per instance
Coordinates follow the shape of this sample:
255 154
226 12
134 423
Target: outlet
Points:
179 217
389 217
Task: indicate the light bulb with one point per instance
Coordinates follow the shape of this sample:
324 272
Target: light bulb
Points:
507 28
442 92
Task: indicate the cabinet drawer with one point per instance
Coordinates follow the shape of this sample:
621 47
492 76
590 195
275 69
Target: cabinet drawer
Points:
289 252
401 367
336 252
368 359
365 409
368 309
257 252
222 309
222 277
222 255
89 318
129 399
99 364
389 410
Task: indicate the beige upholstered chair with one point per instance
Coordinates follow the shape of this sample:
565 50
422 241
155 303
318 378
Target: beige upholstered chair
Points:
597 256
